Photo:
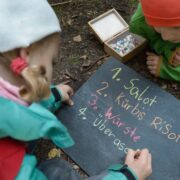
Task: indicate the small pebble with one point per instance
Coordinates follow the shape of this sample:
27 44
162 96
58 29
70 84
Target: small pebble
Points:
75 167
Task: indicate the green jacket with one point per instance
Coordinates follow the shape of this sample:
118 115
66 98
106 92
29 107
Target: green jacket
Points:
163 48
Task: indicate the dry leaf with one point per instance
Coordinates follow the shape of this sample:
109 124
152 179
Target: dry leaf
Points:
84 57
77 38
69 22
54 153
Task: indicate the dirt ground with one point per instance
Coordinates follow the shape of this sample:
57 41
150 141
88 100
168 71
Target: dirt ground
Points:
81 53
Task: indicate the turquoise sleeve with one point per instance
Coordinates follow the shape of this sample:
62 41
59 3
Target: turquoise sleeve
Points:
28 170
50 103
115 174
31 123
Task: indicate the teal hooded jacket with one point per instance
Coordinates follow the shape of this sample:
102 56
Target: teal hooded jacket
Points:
37 121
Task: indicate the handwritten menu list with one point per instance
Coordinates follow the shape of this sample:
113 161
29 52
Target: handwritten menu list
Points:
117 109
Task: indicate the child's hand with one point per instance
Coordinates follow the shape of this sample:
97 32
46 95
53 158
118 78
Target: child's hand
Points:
139 162
176 59
66 92
153 63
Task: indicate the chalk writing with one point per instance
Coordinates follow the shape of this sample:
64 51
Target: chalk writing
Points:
106 85
115 120
82 113
138 95
93 102
110 116
116 74
100 124
117 109
135 110
165 128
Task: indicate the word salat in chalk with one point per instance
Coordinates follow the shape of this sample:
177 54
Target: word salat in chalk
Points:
139 95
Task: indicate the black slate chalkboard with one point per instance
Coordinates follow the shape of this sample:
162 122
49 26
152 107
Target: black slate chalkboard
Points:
117 109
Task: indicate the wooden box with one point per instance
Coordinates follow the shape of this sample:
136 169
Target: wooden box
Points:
111 28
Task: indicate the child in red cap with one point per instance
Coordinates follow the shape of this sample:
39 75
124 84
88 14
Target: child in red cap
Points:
159 22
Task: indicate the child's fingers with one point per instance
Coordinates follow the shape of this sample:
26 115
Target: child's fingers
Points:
177 58
150 61
137 154
150 54
152 57
149 158
130 155
69 102
70 91
144 155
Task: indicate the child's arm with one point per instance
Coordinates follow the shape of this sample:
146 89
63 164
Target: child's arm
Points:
59 93
138 166
31 123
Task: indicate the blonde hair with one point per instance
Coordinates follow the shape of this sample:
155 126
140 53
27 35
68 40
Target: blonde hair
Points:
37 86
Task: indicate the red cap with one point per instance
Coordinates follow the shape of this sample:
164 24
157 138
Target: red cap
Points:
162 13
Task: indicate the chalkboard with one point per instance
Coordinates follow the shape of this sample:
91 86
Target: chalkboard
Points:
117 109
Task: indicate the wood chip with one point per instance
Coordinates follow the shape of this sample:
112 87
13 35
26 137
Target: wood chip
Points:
69 22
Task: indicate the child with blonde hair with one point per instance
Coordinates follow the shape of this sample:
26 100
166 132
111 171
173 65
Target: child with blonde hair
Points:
159 22
29 39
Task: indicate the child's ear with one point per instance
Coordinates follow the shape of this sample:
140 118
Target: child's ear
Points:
24 53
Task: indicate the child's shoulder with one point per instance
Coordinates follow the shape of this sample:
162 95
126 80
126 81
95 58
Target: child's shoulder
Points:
138 15
138 23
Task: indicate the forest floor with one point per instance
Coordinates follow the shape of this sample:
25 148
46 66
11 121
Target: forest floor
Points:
81 53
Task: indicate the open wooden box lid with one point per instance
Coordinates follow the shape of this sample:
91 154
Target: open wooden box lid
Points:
108 25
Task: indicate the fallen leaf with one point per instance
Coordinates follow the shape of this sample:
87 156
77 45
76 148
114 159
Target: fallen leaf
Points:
69 22
77 38
84 57
54 153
